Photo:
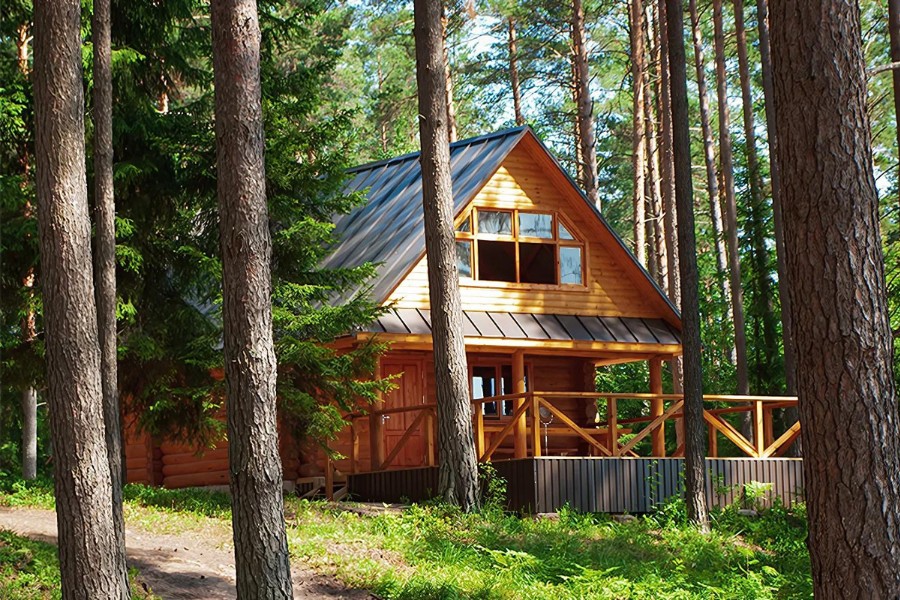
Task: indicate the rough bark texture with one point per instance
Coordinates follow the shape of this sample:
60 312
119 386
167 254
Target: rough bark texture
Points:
87 539
458 479
667 177
585 107
514 71
655 209
787 335
764 305
894 34
694 426
448 81
28 400
730 209
638 131
709 159
851 442
105 266
29 433
260 544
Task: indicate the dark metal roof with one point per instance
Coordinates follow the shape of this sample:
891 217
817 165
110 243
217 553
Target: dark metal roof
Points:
568 328
389 229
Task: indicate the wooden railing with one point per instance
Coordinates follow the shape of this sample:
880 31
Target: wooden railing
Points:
537 415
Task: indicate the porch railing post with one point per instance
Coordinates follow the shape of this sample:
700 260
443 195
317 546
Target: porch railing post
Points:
479 430
376 428
535 425
758 434
612 424
658 440
430 422
521 431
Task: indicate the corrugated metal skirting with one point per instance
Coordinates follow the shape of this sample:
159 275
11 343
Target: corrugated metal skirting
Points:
609 485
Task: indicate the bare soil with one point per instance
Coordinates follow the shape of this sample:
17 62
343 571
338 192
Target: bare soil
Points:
190 565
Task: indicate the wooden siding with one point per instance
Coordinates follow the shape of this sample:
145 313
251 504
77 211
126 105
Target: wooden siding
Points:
607 485
613 289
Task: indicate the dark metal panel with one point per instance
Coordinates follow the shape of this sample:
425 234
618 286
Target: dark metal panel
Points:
392 322
507 325
574 328
483 322
413 320
552 327
662 333
530 326
597 329
619 329
640 331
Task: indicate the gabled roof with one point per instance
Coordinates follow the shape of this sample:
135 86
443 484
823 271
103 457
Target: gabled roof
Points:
389 229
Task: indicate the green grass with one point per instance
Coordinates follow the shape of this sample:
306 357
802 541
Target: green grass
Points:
428 552
29 570
432 552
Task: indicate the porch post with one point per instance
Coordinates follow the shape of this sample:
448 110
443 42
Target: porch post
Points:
520 433
376 428
658 437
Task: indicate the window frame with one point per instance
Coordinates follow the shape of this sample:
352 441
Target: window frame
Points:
557 220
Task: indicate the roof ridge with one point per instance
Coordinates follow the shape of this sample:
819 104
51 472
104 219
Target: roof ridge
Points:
466 142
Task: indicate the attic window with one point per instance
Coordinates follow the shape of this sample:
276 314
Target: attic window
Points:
517 246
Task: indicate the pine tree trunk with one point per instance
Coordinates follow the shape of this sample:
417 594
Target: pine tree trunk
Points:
105 267
730 205
514 71
29 433
848 404
654 188
28 400
262 565
458 479
790 361
585 107
576 127
667 177
765 55
694 425
638 132
87 539
448 81
894 35
709 157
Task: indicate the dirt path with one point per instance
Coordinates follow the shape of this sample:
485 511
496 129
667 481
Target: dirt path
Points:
186 566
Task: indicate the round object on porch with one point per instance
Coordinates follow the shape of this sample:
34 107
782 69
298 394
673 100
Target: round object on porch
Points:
591 414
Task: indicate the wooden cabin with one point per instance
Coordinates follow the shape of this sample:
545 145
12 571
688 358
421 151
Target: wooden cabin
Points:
549 294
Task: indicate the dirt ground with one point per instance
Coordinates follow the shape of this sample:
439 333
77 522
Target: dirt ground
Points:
186 566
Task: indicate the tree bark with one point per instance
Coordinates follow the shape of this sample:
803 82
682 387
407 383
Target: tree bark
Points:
694 426
709 158
654 186
458 470
576 127
894 35
763 302
730 205
448 81
29 433
585 107
260 544
787 335
514 70
638 132
87 539
28 400
667 178
105 267
848 408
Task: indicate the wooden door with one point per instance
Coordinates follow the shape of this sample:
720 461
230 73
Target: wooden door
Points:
410 391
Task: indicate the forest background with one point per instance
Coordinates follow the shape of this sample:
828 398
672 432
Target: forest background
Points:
339 90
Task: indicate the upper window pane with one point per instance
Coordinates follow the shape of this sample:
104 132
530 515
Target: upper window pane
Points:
465 226
536 225
570 262
564 233
494 222
464 258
